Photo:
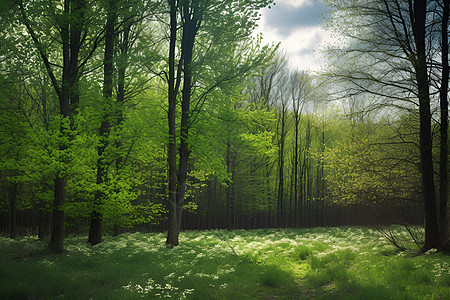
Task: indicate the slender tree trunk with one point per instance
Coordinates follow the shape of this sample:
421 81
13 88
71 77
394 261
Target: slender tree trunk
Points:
296 157
233 192
228 191
281 142
432 237
322 171
301 212
57 219
306 178
317 197
95 230
291 196
189 31
122 65
70 29
177 182
268 198
69 98
443 165
43 214
172 233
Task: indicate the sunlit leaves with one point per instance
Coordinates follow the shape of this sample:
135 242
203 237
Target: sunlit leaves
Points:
371 165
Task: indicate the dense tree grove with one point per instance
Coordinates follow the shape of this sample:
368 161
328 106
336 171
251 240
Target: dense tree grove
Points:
171 115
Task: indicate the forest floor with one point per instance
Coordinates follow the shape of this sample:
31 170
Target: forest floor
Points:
320 263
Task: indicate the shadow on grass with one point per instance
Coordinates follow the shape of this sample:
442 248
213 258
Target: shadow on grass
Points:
139 268
286 264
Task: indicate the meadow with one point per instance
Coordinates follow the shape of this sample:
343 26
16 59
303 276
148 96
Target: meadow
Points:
319 263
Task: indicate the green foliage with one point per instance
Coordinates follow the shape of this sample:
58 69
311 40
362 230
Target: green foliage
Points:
233 134
373 163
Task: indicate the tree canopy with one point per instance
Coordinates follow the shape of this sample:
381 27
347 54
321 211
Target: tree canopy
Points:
171 115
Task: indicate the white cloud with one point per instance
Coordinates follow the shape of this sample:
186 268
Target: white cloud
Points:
296 3
301 42
301 45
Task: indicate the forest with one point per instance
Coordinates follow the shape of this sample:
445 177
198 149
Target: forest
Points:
161 148
164 116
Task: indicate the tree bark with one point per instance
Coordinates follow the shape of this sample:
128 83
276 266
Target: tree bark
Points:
281 143
432 237
95 230
229 196
296 114
443 165
177 182
172 233
69 98
70 29
190 27
296 157
122 65
57 219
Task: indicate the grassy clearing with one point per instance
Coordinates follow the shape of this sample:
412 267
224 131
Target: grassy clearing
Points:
322 263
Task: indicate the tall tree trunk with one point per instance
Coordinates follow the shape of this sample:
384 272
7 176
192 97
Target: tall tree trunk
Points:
177 182
190 27
432 237
296 158
69 98
281 143
443 165
301 183
291 196
122 65
68 94
322 172
268 198
172 233
57 219
95 230
307 174
43 230
228 191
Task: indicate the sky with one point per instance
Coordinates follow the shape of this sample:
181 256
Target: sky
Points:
297 25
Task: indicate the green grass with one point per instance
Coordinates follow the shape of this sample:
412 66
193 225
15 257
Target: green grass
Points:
321 263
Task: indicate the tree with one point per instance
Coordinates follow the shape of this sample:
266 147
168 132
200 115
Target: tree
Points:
269 91
68 98
225 16
300 92
70 20
95 235
432 237
396 52
443 93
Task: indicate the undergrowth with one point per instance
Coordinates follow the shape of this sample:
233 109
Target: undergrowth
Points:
322 263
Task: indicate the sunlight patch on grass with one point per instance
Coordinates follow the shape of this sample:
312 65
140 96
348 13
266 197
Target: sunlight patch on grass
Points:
342 262
156 290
